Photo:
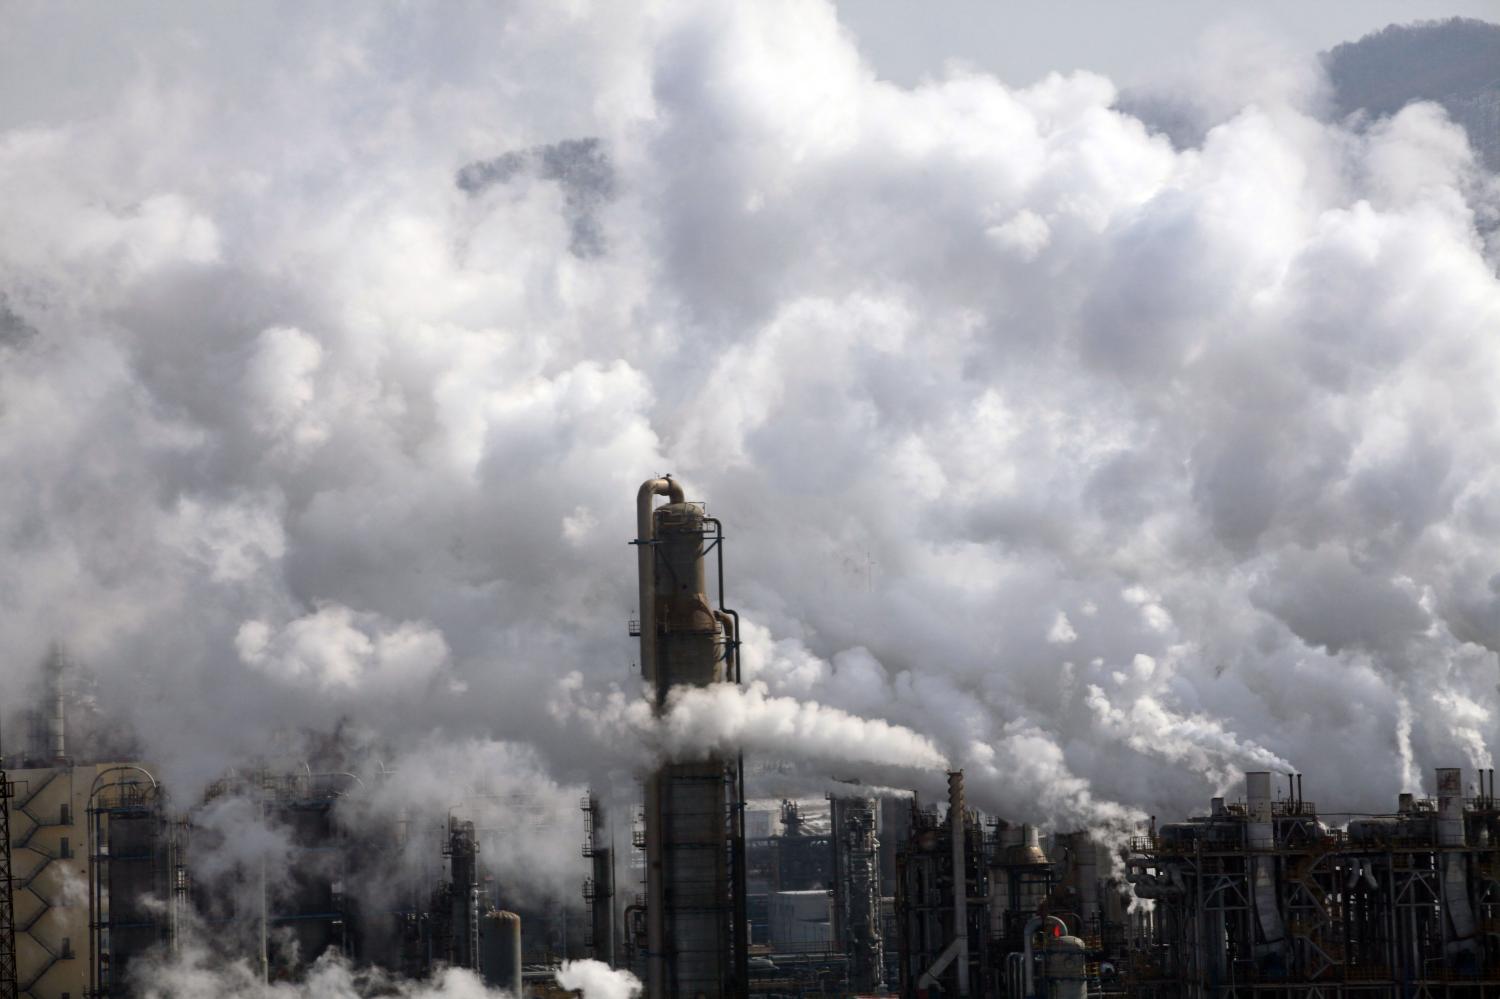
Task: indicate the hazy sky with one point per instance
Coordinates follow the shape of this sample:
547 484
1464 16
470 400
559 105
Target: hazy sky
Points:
336 339
1021 40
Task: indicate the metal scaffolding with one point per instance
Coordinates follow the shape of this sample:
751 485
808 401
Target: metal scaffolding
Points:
856 887
599 887
1265 899
941 890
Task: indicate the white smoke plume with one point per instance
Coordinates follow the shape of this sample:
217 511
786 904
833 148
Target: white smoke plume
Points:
597 980
727 717
197 972
334 342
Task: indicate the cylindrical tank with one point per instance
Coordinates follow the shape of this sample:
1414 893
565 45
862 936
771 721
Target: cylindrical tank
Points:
1063 966
686 652
500 951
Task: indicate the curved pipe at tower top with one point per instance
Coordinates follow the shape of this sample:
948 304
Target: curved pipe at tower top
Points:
645 531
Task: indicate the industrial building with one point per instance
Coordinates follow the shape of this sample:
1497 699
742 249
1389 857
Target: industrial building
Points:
1262 897
1266 896
82 858
99 868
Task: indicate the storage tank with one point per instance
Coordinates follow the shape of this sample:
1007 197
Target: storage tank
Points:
500 951
801 921
1063 967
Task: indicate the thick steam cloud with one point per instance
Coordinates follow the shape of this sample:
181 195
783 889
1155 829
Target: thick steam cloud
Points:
1100 468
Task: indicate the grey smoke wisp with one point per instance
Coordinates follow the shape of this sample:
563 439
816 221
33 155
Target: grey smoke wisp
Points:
1100 468
581 170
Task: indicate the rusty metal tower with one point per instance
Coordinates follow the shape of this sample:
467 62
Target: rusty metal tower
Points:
697 944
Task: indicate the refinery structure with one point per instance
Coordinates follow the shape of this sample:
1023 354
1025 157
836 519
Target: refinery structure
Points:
702 889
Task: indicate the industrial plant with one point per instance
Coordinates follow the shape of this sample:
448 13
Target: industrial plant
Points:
704 891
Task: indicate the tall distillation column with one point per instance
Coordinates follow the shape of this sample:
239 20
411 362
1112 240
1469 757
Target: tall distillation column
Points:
695 921
462 851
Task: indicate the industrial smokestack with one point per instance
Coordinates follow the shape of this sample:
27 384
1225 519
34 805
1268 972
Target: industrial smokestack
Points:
1450 829
1261 834
1450 788
50 735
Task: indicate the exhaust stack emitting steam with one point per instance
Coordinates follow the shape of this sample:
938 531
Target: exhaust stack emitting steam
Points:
697 929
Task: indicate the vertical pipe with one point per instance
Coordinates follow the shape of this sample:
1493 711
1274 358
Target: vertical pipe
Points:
836 887
1029 958
96 901
960 879
645 542
265 951
729 620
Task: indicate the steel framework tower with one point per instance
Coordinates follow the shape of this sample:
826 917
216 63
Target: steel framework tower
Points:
856 890
599 888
